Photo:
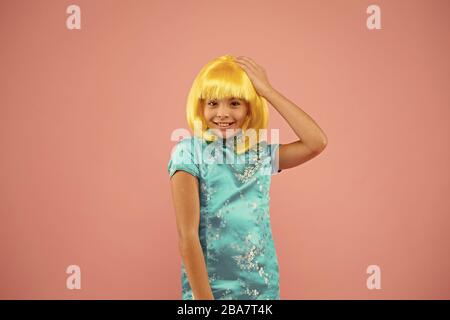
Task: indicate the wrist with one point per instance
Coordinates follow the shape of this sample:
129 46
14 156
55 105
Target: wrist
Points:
268 92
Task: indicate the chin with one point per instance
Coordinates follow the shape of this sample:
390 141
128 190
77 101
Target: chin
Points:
225 132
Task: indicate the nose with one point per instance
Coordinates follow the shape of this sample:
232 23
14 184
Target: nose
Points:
222 111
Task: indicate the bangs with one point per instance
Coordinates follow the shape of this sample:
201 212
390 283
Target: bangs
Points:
226 81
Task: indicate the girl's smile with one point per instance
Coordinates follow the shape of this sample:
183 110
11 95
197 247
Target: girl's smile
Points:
224 124
226 115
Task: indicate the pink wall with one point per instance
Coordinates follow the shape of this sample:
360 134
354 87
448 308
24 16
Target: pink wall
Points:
86 117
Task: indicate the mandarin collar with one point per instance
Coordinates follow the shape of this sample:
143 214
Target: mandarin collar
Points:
230 141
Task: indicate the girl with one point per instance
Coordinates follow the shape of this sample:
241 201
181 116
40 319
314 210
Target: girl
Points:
222 207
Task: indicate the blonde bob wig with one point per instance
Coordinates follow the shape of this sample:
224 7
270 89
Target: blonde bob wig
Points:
223 78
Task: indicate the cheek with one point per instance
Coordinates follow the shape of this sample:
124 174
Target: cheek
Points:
207 114
241 115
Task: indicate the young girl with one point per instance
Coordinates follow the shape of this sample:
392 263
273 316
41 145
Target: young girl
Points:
222 205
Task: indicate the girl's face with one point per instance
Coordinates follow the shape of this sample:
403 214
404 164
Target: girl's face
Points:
226 114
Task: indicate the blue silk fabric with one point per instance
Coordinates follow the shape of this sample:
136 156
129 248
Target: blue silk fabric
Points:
234 228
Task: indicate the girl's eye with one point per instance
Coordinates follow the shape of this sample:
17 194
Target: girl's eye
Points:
234 103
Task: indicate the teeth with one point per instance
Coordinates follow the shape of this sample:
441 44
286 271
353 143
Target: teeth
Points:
224 124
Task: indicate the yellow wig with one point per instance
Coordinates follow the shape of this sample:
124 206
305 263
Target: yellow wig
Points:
223 78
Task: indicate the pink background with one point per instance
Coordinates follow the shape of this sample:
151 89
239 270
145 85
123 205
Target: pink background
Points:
86 117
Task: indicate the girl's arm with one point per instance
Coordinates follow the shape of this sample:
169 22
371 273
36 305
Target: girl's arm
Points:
187 208
312 139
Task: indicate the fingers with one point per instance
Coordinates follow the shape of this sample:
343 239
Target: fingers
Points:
248 61
244 65
247 66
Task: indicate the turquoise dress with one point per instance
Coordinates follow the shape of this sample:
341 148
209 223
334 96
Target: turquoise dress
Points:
235 230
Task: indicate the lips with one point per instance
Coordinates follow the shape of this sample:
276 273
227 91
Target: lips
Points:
224 124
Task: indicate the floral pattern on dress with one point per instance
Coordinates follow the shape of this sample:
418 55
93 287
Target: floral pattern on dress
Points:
235 230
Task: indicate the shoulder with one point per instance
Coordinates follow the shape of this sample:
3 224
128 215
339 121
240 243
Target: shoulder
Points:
271 151
187 146
272 148
183 157
185 141
268 149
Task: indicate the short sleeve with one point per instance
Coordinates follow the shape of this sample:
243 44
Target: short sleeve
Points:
274 157
183 158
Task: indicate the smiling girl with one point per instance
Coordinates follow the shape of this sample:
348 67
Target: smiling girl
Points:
222 207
